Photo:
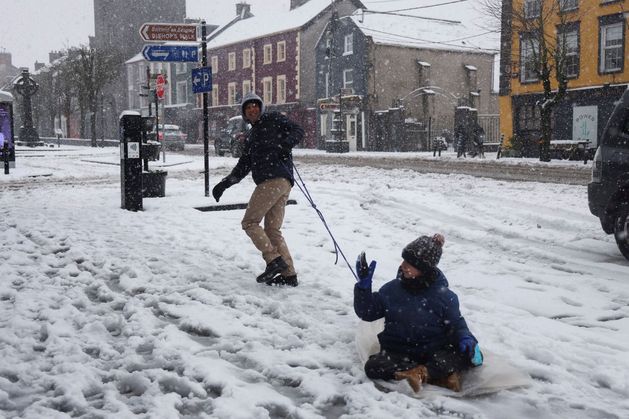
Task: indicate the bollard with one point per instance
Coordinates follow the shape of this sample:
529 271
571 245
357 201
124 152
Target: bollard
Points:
130 162
5 154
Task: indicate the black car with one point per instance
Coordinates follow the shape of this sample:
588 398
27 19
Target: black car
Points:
608 193
231 139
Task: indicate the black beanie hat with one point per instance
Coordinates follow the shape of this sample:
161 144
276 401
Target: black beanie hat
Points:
424 252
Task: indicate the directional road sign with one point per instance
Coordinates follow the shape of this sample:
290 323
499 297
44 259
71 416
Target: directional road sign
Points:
201 79
168 32
171 53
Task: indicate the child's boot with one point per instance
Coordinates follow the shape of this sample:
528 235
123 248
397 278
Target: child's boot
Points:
415 377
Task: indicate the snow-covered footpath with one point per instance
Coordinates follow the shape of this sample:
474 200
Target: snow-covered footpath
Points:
156 314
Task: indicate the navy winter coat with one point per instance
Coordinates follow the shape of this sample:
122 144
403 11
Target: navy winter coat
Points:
267 152
415 324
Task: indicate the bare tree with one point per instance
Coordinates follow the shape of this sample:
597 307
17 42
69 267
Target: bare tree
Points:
545 46
93 69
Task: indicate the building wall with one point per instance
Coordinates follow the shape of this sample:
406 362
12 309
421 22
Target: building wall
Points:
309 39
396 75
589 88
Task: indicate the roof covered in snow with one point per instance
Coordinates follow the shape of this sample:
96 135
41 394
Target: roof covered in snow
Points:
265 23
451 26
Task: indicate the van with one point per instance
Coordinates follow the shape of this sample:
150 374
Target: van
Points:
608 193
231 139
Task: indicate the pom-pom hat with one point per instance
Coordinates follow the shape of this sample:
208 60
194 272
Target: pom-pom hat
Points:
424 252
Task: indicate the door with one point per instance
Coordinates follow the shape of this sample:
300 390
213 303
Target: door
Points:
351 133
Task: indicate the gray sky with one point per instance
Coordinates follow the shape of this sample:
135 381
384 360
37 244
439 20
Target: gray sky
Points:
30 29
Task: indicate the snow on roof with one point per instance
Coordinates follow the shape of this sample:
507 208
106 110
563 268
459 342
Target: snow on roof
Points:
471 67
450 27
265 23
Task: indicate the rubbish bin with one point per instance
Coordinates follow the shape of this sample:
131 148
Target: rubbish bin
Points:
154 184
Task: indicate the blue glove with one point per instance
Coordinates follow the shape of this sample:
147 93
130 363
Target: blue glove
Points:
364 275
469 347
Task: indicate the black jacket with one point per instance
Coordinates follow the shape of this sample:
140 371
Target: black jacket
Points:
267 152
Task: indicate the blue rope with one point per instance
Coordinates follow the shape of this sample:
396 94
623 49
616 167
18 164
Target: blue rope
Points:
337 248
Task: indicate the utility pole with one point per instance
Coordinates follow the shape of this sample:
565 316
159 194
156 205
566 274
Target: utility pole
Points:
206 147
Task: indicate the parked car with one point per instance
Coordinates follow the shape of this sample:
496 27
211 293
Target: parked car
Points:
231 139
171 137
608 193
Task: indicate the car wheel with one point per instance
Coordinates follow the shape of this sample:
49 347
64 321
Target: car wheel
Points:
621 230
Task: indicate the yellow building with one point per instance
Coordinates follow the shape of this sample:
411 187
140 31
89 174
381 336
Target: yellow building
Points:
596 67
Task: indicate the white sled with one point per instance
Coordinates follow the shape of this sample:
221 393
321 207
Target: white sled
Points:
494 375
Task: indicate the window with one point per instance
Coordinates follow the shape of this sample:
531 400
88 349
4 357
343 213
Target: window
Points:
214 64
246 87
268 54
532 8
214 95
324 124
348 78
281 89
267 90
611 46
182 92
529 48
569 39
349 44
281 51
231 94
327 84
246 58
424 73
180 68
231 61
568 5
529 117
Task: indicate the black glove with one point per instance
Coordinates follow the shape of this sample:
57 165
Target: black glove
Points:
220 187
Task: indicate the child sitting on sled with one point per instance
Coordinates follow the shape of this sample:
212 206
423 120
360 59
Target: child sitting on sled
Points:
425 338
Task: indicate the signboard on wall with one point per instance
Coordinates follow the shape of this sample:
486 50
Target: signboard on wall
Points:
6 132
585 124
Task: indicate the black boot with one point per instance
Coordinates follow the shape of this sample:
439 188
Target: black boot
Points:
290 280
273 268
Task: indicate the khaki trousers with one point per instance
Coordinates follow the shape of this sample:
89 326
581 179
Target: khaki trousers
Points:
268 201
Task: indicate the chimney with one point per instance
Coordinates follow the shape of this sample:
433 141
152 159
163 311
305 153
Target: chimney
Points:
243 10
296 3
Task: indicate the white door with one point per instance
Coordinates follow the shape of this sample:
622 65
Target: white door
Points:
352 129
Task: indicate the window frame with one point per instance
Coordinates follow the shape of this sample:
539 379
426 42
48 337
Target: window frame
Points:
231 93
214 64
568 5
606 23
182 92
231 61
246 58
281 89
245 90
281 47
215 96
267 54
532 9
532 43
569 30
348 84
348 44
267 90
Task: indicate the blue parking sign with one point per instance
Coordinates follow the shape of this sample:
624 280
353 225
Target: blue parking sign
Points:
201 80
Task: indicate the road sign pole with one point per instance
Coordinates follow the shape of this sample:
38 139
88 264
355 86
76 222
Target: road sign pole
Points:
206 140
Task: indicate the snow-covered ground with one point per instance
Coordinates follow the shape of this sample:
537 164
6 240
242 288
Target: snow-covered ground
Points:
117 314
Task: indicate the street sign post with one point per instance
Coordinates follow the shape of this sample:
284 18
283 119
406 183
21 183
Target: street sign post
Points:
178 53
202 80
160 32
